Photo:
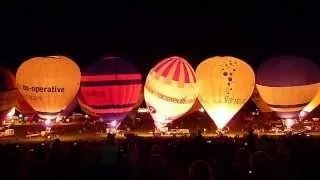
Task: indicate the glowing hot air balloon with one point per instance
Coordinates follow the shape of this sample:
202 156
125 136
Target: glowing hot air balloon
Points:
287 84
23 107
140 101
261 105
48 84
110 88
8 92
225 85
310 107
256 98
170 90
86 109
68 110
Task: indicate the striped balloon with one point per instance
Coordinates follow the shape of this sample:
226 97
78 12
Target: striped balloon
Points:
287 84
86 109
110 88
140 101
256 98
263 107
170 90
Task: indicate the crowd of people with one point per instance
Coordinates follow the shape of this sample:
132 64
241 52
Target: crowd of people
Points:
250 157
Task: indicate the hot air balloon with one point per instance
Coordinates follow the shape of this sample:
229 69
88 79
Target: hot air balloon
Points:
24 107
256 98
310 107
287 84
170 90
86 109
68 110
225 85
110 88
261 105
8 92
48 84
140 101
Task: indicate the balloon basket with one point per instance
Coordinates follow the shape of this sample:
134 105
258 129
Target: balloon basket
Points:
157 132
111 131
288 131
220 132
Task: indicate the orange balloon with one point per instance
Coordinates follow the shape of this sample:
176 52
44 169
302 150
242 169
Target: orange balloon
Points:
23 106
48 84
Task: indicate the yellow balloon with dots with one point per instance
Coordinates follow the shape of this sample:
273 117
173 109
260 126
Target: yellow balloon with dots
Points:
225 85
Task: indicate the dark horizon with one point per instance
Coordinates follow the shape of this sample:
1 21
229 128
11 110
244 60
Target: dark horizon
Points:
145 33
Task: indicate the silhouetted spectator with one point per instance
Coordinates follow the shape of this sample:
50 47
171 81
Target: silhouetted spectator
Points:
200 169
260 163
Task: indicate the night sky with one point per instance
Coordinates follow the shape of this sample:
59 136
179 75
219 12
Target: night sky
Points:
145 32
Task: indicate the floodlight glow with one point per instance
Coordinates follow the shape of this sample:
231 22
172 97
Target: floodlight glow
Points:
289 123
113 123
11 112
47 122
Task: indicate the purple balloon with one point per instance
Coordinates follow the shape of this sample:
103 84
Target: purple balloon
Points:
115 93
284 71
287 71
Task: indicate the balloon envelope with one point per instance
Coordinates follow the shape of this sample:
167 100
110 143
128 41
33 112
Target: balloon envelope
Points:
24 107
287 84
311 106
170 90
86 109
110 88
70 108
8 91
48 84
225 85
256 98
140 100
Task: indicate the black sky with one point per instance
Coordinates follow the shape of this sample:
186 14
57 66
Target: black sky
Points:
144 32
